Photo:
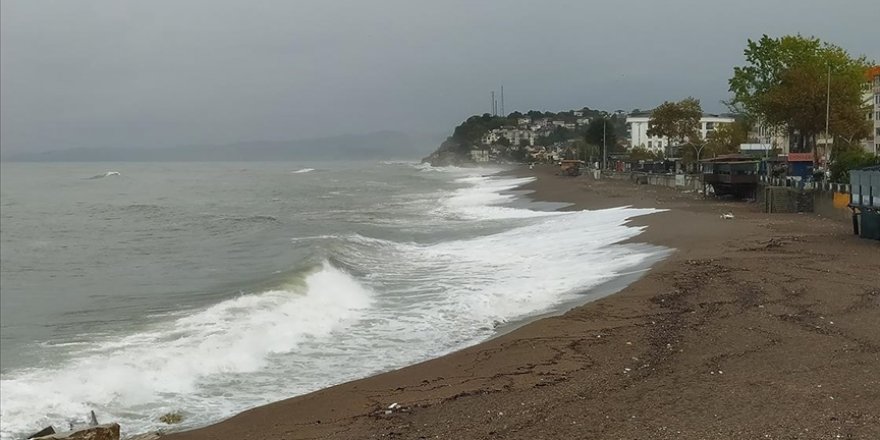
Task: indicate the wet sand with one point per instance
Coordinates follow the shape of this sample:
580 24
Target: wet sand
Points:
756 327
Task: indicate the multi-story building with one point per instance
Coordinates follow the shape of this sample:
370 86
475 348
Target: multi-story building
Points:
763 140
514 135
637 129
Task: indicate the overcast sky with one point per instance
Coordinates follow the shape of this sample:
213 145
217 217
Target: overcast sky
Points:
163 73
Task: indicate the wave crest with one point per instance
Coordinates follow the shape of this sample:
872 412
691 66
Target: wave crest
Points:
169 362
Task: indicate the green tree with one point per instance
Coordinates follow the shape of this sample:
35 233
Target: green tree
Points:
618 121
641 153
601 130
472 130
503 141
785 84
586 151
680 123
559 134
799 102
850 157
726 138
535 114
601 133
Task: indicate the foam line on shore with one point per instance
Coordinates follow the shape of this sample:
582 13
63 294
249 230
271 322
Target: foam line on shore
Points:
375 304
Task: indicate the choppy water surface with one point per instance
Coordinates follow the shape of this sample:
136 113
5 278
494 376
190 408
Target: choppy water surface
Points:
138 289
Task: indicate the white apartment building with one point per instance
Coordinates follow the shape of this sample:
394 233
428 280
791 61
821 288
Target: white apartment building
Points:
516 136
637 129
767 139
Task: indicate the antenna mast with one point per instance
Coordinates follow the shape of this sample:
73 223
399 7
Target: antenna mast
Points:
502 101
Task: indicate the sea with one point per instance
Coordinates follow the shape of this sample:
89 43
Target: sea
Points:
138 289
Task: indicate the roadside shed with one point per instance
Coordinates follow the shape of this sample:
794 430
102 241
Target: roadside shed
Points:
732 174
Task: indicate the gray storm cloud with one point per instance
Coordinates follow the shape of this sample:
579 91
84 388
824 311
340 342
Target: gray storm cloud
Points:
164 73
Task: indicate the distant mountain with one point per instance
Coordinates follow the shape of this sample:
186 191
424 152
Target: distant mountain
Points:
378 145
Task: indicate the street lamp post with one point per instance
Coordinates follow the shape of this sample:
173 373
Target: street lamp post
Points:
827 114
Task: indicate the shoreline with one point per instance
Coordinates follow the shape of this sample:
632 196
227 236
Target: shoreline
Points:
726 337
595 293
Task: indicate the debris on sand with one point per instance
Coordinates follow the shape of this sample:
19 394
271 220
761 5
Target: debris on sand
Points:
171 418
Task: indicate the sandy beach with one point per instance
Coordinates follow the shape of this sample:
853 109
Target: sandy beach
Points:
755 327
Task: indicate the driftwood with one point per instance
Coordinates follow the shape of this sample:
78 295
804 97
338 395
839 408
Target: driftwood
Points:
99 432
43 432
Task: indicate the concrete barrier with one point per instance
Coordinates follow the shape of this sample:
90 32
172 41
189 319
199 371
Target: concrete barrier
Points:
832 204
776 195
783 199
684 182
827 200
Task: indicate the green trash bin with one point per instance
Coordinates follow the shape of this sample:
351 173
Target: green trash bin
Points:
870 225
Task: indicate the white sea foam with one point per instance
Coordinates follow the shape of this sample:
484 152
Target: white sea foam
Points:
484 197
426 167
513 274
106 174
302 170
397 303
125 379
453 293
531 269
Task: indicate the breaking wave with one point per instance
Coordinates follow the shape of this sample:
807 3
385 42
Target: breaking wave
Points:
125 379
373 304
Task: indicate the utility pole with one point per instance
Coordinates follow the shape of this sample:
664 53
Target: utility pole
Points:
827 109
767 152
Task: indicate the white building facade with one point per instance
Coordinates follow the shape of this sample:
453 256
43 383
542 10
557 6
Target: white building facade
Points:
769 138
516 136
637 129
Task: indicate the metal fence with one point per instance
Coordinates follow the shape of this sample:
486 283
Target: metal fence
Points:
798 183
